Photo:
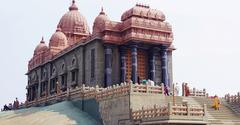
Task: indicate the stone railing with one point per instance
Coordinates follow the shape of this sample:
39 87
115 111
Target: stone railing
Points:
125 88
170 112
115 90
98 93
136 88
233 98
199 93
193 91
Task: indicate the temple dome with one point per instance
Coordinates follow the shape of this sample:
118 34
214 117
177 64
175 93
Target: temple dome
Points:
73 22
99 22
143 11
58 40
41 47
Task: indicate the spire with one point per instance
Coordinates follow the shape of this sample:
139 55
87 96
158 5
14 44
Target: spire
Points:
73 6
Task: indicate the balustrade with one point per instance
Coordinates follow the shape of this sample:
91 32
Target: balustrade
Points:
233 98
169 110
99 94
187 91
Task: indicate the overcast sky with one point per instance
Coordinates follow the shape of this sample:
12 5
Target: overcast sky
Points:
206 35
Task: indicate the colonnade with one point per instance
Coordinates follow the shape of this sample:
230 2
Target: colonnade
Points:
134 53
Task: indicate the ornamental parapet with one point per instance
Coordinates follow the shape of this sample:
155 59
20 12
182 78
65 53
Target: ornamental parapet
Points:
146 24
147 36
112 26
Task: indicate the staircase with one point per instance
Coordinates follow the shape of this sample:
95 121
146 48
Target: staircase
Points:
215 117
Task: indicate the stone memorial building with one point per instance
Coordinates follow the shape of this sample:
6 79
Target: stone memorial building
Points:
136 48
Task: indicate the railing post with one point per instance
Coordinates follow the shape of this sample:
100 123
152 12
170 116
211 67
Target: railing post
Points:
238 94
143 112
154 111
96 91
147 89
131 114
228 98
188 110
194 91
204 92
131 87
170 108
205 111
234 98
68 93
183 89
162 86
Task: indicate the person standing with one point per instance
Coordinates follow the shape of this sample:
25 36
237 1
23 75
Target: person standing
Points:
176 89
187 91
216 103
16 103
166 90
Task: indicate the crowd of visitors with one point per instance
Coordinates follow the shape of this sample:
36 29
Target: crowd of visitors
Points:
11 106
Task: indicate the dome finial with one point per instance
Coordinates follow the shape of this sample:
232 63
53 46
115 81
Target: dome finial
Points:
73 6
42 41
102 12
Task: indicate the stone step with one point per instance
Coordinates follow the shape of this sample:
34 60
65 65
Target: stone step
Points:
222 116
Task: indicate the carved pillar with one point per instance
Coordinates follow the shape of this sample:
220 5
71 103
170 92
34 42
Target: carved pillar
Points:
108 65
164 65
134 63
152 67
123 63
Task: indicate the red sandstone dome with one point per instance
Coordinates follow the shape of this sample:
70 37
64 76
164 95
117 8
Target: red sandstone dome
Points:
143 11
41 47
73 22
99 22
58 40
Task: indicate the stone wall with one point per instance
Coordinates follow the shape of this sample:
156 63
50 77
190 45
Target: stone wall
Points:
146 100
99 64
115 110
76 59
